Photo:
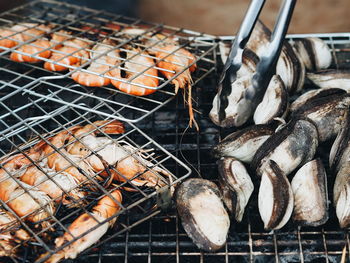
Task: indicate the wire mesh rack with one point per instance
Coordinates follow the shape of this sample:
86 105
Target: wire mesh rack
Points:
25 121
131 56
163 239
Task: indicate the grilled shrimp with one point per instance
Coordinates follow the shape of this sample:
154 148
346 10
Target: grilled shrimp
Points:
100 65
128 162
20 33
139 70
40 48
72 53
10 234
80 229
174 60
61 160
54 184
22 198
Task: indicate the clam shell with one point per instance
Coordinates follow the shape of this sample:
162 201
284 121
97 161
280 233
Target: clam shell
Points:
327 113
310 194
243 144
314 53
313 94
290 147
341 195
202 213
236 186
274 103
331 78
275 199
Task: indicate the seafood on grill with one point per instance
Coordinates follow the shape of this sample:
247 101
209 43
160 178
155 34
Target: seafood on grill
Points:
22 32
138 70
59 158
88 228
289 66
274 104
313 94
177 63
291 146
340 166
327 113
236 186
331 78
313 52
24 200
73 52
118 159
244 143
11 234
59 186
275 198
309 186
202 213
103 57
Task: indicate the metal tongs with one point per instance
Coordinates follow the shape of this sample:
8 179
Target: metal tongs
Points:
266 67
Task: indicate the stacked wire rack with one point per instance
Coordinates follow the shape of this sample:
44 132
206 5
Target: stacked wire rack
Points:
39 106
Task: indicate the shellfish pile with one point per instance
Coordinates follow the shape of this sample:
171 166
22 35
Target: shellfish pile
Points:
281 149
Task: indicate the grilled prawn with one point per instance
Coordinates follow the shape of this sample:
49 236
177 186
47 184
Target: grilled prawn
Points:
72 53
139 71
20 33
178 63
81 229
10 234
23 199
103 57
127 162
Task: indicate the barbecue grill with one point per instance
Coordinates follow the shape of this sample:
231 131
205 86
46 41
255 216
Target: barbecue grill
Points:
36 104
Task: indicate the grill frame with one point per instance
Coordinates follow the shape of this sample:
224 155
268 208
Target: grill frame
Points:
74 16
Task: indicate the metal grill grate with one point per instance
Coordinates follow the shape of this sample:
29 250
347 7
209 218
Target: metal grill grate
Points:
162 239
93 27
30 119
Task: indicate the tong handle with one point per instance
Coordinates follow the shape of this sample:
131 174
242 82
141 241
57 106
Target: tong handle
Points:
243 35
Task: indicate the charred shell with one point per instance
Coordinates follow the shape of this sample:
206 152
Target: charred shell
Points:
243 144
312 95
310 194
340 151
331 79
290 147
327 113
275 199
202 213
236 186
235 115
289 66
314 53
341 195
274 103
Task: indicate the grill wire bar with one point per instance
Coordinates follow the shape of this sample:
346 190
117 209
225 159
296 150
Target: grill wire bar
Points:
94 27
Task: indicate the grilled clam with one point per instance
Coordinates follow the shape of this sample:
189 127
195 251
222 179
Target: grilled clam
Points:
202 213
289 66
314 53
341 195
275 198
274 103
236 186
327 113
314 94
291 146
243 144
332 78
310 194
